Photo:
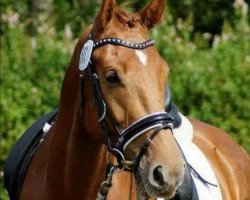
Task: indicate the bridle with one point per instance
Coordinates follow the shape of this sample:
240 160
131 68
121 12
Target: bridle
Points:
154 122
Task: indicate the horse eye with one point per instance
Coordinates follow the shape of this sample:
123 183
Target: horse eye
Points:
112 77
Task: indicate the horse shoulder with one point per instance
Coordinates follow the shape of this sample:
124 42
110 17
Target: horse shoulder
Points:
34 187
229 161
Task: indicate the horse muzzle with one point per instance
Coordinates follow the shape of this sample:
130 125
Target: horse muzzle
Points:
161 169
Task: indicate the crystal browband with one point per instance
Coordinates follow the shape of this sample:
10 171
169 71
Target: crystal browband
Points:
121 42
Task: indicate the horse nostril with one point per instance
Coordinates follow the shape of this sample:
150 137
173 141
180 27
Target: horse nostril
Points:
158 176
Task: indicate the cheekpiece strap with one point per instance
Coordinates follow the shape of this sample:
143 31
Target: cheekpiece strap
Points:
115 41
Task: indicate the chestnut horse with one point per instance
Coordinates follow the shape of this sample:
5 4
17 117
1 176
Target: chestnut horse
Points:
121 84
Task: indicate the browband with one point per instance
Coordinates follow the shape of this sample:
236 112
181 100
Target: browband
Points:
124 43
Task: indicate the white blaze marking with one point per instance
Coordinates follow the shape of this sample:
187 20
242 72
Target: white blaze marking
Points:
141 56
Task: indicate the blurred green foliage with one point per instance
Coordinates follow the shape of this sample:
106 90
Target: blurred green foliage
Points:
210 73
30 82
211 84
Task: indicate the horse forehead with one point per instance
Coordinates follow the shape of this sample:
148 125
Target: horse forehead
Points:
112 53
109 53
127 59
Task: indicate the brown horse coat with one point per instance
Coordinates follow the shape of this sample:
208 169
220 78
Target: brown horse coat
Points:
70 163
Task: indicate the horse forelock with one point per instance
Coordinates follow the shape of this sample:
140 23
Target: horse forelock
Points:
128 19
123 25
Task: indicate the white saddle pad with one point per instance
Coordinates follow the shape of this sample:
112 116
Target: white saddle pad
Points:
198 161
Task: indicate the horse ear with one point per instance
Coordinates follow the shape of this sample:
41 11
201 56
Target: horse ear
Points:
152 13
105 14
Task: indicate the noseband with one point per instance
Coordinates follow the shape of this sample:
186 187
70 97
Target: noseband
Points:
154 122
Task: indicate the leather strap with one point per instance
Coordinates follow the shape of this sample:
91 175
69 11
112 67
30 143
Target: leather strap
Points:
147 143
120 42
143 125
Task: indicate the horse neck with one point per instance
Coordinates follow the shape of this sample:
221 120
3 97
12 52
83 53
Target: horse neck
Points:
76 160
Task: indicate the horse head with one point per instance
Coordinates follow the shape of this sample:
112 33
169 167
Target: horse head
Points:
131 75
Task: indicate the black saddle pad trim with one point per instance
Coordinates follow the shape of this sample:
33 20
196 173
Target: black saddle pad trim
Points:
22 153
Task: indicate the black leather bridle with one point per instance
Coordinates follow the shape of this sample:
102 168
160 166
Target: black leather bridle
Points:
154 122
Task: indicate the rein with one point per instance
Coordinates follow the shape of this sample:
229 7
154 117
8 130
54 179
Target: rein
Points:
154 122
